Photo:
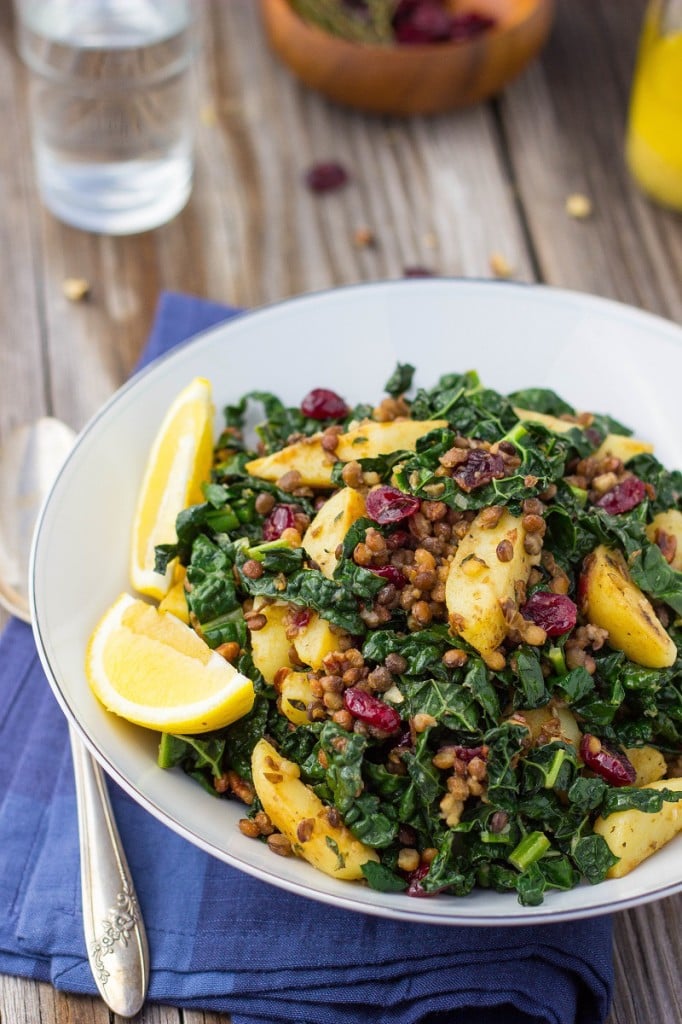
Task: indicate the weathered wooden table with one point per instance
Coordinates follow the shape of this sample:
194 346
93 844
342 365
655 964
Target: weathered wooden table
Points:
460 194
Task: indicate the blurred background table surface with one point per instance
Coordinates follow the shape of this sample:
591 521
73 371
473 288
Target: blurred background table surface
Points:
465 194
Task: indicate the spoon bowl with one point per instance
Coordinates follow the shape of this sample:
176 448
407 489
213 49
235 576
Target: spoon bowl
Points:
29 462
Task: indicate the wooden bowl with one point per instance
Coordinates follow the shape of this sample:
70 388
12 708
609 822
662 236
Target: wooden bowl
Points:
422 79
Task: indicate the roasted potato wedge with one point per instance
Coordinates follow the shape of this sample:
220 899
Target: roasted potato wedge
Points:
316 640
669 522
633 835
301 816
308 457
551 722
365 441
478 582
610 599
330 526
622 447
371 438
649 764
270 645
295 696
551 422
175 601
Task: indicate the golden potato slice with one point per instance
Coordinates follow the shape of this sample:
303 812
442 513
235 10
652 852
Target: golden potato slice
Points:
301 816
295 696
307 456
478 582
365 441
551 722
316 640
622 447
270 645
669 522
370 439
649 764
610 599
633 835
330 526
551 422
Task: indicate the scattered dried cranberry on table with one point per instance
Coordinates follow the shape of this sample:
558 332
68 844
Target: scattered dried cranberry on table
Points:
326 176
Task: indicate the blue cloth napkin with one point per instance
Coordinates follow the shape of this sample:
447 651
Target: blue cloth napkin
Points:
223 941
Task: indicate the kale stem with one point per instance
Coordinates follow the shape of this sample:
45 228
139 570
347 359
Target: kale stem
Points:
558 661
440 413
553 773
530 849
516 434
259 551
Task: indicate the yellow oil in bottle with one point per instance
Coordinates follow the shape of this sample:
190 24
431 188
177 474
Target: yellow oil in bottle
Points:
654 137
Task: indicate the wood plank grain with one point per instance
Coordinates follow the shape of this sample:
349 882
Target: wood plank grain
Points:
152 1013
22 370
648 952
23 1001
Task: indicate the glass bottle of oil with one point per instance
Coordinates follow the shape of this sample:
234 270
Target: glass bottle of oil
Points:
654 135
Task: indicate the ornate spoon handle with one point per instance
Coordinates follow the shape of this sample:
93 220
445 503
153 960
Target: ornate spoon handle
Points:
114 931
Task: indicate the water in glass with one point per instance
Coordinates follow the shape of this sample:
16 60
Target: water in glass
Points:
111 101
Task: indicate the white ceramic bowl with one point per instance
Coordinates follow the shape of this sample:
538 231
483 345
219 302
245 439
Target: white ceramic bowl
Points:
598 354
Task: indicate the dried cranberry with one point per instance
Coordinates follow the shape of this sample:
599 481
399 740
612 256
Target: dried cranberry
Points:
555 613
322 404
478 469
300 617
616 769
424 22
282 517
392 574
326 176
468 26
371 710
414 881
626 495
389 505
418 272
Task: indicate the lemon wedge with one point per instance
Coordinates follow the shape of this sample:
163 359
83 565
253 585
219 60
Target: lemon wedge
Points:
179 461
152 669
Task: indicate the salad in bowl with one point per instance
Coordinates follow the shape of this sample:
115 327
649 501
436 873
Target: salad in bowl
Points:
441 632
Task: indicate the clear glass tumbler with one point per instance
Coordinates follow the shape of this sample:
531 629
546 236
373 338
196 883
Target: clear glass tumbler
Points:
112 105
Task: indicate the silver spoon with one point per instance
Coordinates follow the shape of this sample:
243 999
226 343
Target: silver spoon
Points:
115 936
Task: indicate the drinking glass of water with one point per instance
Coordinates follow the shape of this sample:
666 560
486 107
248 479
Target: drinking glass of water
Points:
112 105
